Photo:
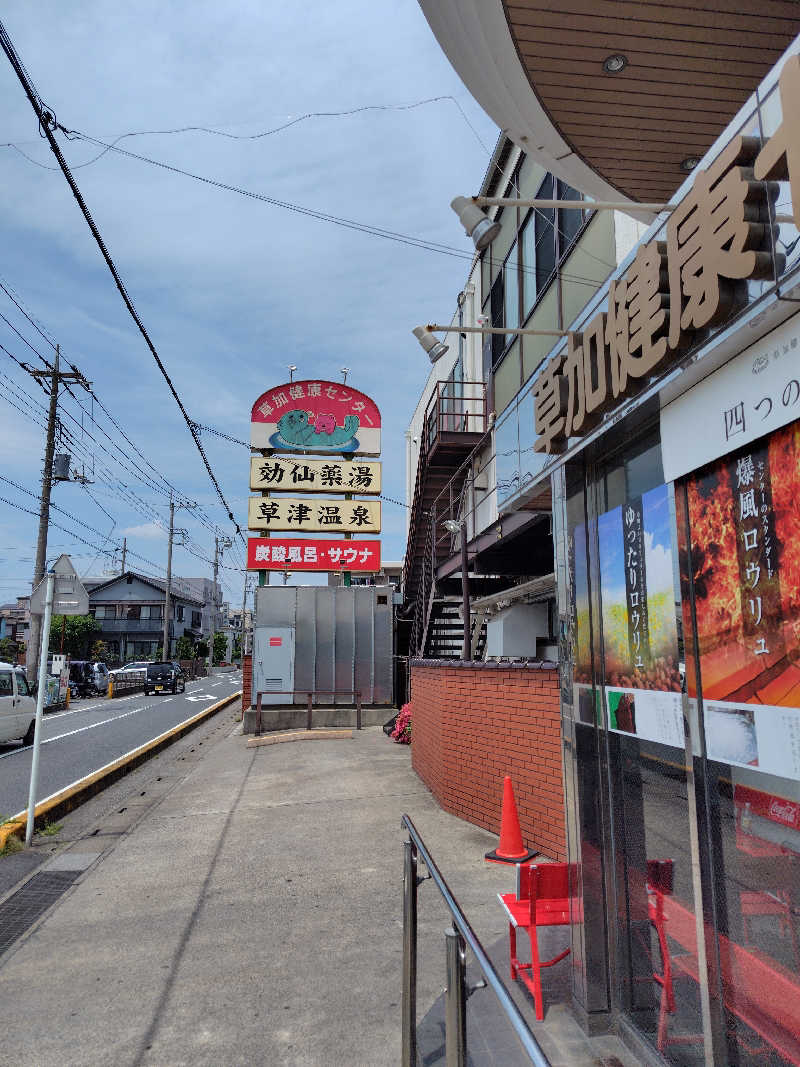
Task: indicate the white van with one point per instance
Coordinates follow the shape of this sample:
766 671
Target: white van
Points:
17 706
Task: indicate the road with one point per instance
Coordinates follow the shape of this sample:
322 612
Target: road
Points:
95 731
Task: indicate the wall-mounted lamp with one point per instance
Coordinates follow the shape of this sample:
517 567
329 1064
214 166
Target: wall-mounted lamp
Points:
483 230
435 348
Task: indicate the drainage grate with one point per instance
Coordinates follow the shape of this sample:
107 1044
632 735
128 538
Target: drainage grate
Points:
23 908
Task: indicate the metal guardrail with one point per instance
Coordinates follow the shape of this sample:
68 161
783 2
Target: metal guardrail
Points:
126 681
310 694
457 939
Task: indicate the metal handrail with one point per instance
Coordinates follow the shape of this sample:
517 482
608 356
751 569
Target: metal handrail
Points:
310 694
456 992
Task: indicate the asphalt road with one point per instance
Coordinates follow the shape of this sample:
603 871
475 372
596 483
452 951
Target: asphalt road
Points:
95 731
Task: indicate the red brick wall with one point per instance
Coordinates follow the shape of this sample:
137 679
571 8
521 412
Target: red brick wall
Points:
474 724
247 681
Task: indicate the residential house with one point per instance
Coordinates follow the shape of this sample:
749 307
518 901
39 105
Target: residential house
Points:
130 611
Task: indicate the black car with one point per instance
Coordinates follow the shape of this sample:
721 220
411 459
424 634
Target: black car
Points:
164 677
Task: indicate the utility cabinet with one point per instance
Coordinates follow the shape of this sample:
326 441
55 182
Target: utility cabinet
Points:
273 663
334 638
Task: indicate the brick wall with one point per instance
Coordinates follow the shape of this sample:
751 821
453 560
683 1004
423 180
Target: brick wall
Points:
474 723
247 681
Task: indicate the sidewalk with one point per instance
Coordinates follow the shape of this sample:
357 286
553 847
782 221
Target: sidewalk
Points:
252 915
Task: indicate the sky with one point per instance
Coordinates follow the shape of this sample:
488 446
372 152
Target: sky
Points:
231 289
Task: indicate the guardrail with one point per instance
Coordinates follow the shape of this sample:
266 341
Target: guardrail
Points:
126 682
310 694
458 938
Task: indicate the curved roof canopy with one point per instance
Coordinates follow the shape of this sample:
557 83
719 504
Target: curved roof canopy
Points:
614 96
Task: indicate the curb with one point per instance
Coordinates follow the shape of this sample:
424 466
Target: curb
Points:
68 798
300 735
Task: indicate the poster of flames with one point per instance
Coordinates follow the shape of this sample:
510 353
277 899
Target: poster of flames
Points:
744 571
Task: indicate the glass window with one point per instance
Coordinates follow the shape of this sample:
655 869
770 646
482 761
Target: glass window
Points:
196 620
740 557
145 611
529 290
22 684
511 292
179 612
544 220
6 686
132 611
569 221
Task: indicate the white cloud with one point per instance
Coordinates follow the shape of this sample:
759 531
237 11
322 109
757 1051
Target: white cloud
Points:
148 531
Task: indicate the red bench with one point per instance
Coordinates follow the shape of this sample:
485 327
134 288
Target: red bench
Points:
541 899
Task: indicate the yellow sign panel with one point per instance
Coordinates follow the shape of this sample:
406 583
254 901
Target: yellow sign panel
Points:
299 475
315 516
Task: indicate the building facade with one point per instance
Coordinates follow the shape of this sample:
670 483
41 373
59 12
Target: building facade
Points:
660 443
130 611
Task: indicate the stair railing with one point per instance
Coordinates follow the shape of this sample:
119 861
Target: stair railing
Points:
458 938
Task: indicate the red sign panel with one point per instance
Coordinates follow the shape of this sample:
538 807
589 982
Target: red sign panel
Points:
322 417
275 642
303 554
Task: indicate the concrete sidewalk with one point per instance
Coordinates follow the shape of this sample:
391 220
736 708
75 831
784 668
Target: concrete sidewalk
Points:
252 915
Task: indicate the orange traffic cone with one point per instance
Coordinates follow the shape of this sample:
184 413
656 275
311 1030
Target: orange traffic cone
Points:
511 848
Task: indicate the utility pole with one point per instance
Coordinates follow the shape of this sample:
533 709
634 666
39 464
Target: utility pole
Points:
220 544
165 641
56 377
244 612
124 552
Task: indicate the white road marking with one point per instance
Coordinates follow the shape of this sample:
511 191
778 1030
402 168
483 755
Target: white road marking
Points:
103 722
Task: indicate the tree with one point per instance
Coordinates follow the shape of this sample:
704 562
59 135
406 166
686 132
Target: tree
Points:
184 649
99 651
79 631
220 647
201 649
9 650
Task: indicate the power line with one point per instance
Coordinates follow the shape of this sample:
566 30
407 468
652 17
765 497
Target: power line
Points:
263 133
46 122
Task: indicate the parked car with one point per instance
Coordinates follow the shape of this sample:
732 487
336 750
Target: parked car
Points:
87 677
138 665
164 677
17 705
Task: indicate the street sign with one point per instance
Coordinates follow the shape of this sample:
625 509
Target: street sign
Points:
69 595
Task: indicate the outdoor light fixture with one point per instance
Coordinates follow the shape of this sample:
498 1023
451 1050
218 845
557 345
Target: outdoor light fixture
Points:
483 230
615 64
453 526
689 163
435 348
292 369
477 223
344 371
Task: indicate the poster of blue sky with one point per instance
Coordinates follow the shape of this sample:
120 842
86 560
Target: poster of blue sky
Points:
659 666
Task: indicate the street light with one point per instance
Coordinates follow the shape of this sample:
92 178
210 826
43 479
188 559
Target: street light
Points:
292 369
477 223
435 348
483 230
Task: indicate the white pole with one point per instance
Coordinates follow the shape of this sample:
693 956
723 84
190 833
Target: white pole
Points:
40 691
